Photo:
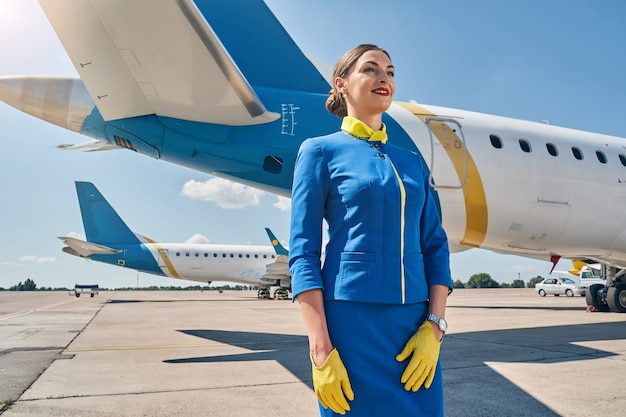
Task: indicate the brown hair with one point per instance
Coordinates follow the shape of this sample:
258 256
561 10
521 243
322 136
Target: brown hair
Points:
336 103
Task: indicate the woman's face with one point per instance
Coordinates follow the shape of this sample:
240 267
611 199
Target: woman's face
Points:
369 85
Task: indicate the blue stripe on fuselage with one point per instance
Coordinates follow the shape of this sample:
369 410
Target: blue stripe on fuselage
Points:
241 151
136 257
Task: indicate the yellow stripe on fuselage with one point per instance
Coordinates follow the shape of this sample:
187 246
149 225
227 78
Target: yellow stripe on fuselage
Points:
162 253
476 213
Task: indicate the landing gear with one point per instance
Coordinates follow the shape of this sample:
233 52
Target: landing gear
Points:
616 298
610 293
596 297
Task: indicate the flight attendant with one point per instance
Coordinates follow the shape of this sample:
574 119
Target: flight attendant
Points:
374 311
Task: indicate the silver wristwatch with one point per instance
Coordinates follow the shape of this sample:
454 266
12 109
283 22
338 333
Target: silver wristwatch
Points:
439 321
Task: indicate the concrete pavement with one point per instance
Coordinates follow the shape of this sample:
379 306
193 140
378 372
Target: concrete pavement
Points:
508 352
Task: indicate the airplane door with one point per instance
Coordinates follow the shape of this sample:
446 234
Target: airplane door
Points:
449 134
163 256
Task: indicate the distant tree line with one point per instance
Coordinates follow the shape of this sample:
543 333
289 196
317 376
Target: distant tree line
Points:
189 288
29 285
484 280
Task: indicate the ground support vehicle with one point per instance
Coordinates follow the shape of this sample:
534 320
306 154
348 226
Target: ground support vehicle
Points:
92 290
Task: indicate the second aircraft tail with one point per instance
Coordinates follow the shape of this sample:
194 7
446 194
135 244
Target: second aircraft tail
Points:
101 222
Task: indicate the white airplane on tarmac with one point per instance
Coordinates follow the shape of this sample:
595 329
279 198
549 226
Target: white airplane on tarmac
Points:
111 241
192 83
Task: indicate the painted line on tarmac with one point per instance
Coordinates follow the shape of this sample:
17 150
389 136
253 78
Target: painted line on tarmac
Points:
32 310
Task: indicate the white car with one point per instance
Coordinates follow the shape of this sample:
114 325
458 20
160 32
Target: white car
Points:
557 286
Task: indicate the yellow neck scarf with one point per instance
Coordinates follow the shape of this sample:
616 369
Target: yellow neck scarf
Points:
357 129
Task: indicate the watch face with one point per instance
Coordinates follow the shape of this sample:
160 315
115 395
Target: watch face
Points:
443 324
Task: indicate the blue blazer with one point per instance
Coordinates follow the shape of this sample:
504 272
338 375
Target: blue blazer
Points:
386 243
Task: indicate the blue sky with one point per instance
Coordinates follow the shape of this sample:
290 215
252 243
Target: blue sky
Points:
560 61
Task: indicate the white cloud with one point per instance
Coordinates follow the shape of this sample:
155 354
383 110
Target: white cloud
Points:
76 235
198 238
224 193
282 203
36 260
46 260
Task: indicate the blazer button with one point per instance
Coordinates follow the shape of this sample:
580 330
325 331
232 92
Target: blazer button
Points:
377 145
381 155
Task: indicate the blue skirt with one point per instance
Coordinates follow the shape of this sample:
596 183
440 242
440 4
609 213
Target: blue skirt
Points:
368 337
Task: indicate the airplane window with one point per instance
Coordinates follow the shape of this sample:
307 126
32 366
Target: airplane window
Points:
247 255
552 150
240 255
578 154
256 256
273 256
525 145
197 254
215 255
223 255
232 256
601 157
496 142
264 256
622 159
206 255
187 254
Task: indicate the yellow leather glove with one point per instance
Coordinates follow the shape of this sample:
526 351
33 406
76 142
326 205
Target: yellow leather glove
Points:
424 348
331 383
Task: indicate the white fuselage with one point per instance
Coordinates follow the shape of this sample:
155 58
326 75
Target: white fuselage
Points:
531 189
208 262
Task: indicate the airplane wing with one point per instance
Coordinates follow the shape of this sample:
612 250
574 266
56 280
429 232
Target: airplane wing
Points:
158 57
79 247
278 270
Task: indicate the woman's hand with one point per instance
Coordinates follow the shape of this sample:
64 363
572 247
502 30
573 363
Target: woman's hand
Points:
331 383
423 348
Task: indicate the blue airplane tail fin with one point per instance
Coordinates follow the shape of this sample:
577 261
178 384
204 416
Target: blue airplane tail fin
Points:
249 31
101 222
278 247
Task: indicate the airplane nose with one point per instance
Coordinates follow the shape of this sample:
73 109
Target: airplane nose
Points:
63 101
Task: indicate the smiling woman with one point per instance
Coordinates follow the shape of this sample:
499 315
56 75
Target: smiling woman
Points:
375 312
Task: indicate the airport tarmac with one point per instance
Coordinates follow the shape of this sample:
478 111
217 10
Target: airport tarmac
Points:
508 352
